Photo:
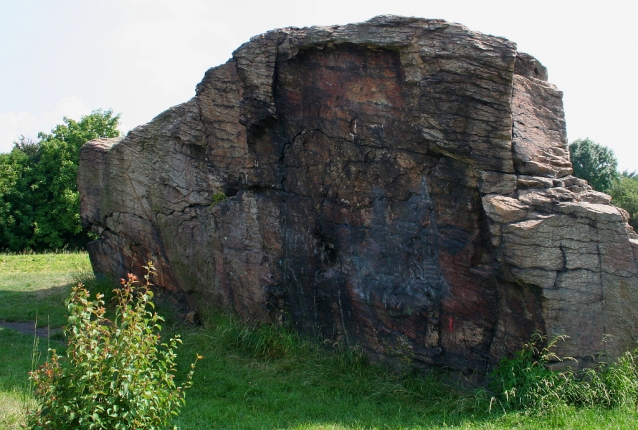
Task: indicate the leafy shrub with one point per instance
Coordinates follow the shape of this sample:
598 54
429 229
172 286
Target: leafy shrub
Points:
526 382
116 374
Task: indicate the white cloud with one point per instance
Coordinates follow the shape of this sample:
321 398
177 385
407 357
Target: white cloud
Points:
12 125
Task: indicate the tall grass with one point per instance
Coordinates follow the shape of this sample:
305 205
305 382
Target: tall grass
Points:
270 377
527 382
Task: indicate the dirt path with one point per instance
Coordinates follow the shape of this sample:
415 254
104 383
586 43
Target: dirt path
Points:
27 327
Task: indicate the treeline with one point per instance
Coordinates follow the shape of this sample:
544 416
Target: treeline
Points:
598 165
39 202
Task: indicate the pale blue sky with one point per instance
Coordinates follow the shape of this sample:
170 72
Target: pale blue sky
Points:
139 57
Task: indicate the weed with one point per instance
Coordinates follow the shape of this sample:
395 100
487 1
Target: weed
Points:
218 198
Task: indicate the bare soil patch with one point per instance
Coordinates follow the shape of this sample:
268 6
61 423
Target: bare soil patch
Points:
28 327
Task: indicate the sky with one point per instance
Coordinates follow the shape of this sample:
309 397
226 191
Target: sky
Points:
139 57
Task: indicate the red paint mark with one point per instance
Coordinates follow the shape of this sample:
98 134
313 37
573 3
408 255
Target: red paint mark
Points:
451 324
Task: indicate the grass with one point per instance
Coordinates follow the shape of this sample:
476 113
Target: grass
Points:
15 363
264 378
269 378
34 286
31 286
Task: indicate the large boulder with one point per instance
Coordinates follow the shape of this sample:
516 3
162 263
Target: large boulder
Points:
403 184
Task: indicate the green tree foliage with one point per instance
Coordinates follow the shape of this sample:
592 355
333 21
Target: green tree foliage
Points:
16 212
624 193
39 202
595 163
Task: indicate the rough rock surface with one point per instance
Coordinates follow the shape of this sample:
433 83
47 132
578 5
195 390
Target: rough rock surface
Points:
402 183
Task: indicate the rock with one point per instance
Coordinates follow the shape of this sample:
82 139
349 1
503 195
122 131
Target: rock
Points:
495 182
401 184
594 197
539 139
523 181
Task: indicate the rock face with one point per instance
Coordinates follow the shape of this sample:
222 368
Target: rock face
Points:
403 184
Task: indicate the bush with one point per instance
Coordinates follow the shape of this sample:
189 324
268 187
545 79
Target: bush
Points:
116 374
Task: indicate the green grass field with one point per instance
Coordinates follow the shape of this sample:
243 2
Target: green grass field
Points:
266 378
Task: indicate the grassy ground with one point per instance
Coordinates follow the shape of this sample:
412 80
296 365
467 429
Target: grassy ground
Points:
267 378
36 285
302 386
31 286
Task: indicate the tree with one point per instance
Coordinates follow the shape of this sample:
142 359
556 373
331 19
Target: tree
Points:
595 163
624 194
39 204
16 211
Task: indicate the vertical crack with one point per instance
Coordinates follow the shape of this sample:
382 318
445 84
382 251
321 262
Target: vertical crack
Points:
602 296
